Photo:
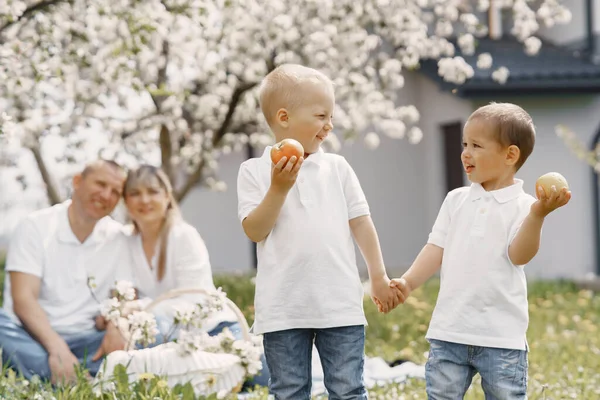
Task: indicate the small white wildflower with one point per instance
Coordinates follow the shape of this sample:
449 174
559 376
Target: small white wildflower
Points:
125 290
92 282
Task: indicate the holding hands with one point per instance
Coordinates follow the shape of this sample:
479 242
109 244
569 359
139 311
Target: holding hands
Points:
386 295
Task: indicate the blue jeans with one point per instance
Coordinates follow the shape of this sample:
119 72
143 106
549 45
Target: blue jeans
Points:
452 366
342 353
26 356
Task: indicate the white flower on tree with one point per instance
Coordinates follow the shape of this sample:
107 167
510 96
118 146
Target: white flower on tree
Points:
532 45
173 82
372 140
501 75
455 70
484 61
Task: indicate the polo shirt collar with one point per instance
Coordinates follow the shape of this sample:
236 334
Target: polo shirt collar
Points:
66 235
503 195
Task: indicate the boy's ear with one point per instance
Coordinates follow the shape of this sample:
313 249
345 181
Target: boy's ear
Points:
513 153
76 180
282 117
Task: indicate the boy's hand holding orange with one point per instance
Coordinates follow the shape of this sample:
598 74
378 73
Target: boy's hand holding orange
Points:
287 157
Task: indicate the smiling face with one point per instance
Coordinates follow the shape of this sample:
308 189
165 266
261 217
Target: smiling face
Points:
484 158
310 121
97 190
147 197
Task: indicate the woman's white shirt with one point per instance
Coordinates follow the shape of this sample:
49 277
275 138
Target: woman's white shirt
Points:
187 266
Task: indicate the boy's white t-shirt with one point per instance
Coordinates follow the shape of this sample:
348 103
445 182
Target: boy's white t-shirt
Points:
483 295
307 274
187 266
44 245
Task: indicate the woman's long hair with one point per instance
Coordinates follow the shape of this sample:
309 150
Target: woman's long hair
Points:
145 176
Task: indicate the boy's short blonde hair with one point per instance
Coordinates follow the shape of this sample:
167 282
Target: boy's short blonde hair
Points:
281 88
512 125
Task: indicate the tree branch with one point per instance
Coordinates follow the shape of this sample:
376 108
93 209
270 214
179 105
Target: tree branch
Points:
192 181
51 191
233 103
161 79
196 176
166 152
32 9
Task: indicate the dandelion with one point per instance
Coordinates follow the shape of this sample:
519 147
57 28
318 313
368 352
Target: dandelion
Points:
146 376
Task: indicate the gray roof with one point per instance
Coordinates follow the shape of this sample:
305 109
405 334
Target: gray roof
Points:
553 70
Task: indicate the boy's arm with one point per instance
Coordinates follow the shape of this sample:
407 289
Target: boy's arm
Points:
366 238
429 259
260 221
526 243
427 263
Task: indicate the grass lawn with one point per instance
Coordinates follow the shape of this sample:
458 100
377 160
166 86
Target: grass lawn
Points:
564 361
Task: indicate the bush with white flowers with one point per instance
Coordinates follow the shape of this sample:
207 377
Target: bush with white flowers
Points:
139 328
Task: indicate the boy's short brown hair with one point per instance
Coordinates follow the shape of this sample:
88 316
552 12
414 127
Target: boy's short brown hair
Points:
512 126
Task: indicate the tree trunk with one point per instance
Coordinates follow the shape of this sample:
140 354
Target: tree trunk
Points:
51 190
166 153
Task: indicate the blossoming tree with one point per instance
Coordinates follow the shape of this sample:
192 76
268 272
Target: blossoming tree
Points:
174 81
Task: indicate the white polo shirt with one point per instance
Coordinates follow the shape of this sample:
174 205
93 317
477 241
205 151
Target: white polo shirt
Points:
187 266
44 245
307 273
483 295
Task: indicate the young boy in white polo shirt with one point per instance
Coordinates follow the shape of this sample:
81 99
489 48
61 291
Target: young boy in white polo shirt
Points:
483 237
303 214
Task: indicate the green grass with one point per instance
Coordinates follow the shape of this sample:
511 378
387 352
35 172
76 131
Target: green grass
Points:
564 362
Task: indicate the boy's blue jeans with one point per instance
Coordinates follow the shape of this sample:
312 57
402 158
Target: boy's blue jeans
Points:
24 354
289 356
452 366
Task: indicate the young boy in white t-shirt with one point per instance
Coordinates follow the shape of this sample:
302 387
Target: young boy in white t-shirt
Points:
303 214
483 237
